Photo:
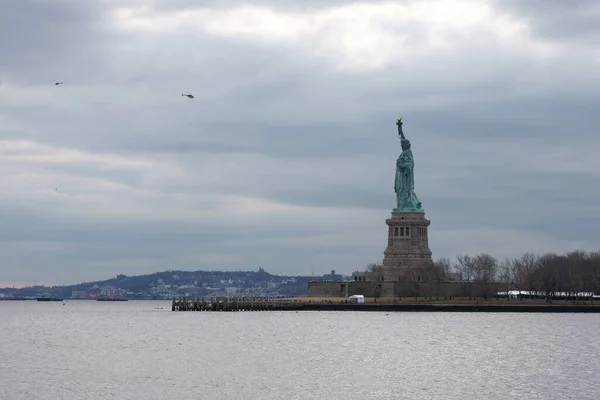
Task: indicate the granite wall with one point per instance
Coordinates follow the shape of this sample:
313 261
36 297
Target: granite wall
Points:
402 289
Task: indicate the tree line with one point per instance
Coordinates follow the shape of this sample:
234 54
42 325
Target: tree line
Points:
546 275
573 275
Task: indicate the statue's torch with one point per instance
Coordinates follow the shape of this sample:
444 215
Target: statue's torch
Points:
399 123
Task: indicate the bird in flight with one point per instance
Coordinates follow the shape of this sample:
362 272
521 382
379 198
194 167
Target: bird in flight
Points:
58 83
189 96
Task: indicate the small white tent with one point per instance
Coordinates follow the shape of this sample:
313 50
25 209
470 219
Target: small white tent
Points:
356 298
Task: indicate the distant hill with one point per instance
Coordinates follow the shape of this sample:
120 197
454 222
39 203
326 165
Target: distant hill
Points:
214 280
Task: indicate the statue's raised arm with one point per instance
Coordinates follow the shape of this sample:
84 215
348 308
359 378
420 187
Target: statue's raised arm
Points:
399 123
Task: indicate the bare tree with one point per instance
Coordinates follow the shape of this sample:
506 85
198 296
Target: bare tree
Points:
415 278
485 270
548 274
594 272
441 271
466 267
376 275
523 270
574 274
506 276
444 266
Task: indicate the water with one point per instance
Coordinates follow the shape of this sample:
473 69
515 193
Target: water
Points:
131 350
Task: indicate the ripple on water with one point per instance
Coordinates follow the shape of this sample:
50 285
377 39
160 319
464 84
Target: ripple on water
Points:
89 350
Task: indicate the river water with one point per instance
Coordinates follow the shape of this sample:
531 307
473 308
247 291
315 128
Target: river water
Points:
142 350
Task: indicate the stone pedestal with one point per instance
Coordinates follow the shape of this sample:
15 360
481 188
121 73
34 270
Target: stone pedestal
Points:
407 243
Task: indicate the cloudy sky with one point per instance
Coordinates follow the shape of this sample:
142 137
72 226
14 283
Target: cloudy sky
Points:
286 156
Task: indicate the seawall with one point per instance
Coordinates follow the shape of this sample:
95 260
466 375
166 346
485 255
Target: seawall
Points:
451 308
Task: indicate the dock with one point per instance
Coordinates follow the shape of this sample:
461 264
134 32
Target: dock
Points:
234 304
273 304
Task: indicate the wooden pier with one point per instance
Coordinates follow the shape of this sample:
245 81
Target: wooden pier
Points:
273 304
234 304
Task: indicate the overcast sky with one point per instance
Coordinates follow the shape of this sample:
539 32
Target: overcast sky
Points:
285 158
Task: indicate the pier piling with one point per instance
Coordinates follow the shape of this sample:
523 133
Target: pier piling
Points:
275 304
233 304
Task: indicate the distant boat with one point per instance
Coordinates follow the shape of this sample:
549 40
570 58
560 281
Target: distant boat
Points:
12 298
48 298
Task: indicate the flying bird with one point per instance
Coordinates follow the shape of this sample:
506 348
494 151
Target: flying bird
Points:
58 83
189 96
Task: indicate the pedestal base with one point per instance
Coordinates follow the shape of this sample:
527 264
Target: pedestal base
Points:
408 246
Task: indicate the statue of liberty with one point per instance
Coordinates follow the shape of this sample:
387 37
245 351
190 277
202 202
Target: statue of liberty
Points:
404 185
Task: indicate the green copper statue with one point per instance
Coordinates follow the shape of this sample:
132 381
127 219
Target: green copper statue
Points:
404 185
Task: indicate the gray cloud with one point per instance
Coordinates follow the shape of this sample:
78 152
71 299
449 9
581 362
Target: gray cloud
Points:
285 158
561 20
40 39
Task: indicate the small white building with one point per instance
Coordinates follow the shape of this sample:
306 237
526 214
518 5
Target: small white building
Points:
356 298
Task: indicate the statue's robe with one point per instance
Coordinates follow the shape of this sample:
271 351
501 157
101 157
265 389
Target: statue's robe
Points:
404 185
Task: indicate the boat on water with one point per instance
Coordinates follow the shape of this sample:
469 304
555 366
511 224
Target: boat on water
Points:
48 298
12 298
